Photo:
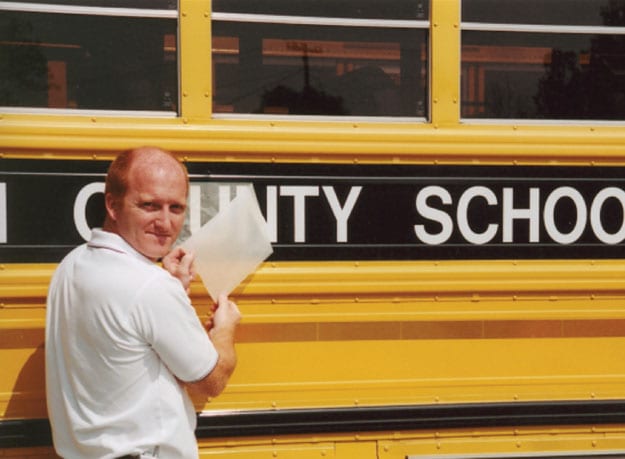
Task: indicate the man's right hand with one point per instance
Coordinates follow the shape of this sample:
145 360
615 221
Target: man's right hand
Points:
226 314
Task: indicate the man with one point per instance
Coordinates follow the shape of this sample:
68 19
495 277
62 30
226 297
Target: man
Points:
123 342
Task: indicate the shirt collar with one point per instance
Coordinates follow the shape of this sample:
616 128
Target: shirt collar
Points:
101 239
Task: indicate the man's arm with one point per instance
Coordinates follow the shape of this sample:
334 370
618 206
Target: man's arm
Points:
221 327
221 330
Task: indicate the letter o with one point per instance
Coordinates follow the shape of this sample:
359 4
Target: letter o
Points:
80 206
549 217
595 215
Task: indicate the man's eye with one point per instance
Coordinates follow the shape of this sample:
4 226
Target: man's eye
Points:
149 206
178 209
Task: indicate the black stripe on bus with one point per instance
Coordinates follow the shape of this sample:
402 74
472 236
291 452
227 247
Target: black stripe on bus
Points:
36 432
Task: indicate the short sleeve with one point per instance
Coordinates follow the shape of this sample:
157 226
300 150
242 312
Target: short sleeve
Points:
170 325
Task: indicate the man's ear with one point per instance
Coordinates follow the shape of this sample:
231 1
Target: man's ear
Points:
111 206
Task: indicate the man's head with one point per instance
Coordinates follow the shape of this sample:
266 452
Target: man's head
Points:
146 197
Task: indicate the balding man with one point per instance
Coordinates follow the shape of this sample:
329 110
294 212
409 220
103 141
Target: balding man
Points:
122 339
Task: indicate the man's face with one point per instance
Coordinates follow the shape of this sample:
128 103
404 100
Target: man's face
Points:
151 214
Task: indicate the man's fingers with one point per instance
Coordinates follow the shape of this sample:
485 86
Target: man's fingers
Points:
186 264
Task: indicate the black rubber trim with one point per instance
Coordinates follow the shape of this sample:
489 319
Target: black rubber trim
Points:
412 417
36 432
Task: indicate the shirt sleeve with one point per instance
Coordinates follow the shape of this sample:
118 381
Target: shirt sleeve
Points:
172 328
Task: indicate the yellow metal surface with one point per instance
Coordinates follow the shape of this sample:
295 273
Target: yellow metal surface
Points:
382 333
445 63
195 59
540 442
100 137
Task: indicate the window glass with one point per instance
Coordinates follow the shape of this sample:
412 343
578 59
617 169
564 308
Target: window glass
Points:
370 9
88 62
536 59
319 70
145 4
543 75
559 12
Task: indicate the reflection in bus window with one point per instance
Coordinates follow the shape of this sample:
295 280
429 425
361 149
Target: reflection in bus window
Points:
549 12
545 72
140 4
319 70
87 62
361 9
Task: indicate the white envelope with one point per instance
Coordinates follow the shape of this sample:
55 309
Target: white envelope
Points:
231 245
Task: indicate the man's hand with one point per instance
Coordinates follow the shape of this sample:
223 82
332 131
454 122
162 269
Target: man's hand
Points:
225 315
179 263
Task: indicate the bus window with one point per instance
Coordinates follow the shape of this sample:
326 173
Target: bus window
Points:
361 9
88 58
305 65
537 70
551 12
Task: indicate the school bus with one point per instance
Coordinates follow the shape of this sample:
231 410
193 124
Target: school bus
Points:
443 185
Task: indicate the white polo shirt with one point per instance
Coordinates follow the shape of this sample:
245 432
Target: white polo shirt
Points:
120 333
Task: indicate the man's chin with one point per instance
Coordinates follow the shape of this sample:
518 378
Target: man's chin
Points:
158 252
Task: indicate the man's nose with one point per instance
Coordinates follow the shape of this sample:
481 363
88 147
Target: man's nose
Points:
164 218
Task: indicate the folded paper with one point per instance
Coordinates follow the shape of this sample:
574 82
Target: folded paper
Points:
231 245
